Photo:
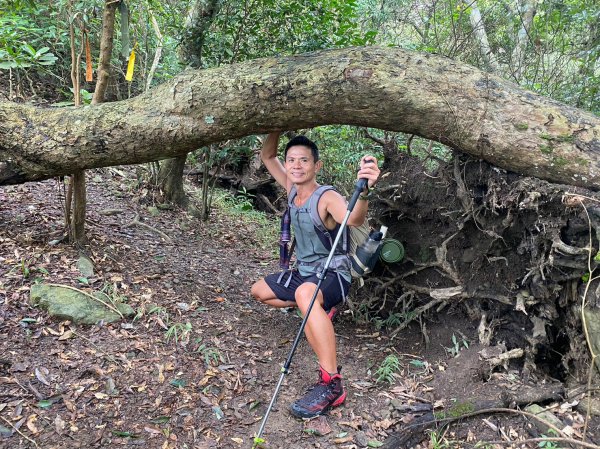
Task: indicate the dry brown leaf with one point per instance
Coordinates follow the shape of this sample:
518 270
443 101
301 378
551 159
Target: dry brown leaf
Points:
355 424
52 331
68 334
319 426
31 424
40 374
59 424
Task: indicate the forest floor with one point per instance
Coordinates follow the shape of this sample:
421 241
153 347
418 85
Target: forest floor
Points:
136 383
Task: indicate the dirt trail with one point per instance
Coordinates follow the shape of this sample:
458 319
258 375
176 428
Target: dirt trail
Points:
64 386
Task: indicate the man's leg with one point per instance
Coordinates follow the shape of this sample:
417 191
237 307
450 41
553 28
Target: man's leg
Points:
319 329
263 293
329 392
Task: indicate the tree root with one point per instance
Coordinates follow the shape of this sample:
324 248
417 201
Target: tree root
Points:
412 434
136 222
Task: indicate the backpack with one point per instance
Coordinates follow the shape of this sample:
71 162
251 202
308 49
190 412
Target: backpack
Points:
352 238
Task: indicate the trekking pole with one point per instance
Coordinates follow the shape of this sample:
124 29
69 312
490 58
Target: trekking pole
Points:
360 186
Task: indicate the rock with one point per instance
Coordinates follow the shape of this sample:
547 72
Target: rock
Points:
68 304
546 416
85 266
361 439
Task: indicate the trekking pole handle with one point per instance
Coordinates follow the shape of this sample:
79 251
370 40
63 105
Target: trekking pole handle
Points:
358 188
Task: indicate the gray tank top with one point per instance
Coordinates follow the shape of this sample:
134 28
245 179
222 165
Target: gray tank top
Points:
311 252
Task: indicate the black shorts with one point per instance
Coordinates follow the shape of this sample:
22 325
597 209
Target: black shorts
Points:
333 292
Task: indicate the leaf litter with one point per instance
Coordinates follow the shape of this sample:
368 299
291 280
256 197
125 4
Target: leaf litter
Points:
63 385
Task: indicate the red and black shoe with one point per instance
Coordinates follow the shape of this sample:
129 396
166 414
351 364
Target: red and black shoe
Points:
324 395
331 313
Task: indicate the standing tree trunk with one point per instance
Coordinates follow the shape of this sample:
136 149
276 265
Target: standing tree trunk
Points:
526 12
482 39
386 88
78 178
202 13
75 200
106 47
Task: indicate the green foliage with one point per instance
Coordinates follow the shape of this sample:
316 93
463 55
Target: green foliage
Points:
549 444
211 356
244 31
340 149
178 333
234 207
457 346
25 56
388 369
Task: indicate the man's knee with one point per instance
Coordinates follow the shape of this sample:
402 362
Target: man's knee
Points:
261 291
256 290
304 295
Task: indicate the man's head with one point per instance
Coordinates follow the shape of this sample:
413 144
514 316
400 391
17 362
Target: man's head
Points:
304 142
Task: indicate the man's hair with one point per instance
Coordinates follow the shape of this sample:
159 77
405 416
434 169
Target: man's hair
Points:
305 142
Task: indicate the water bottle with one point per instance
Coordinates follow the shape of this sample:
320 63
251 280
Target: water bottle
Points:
366 254
285 237
286 234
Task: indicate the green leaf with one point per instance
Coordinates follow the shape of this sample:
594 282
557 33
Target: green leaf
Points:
41 51
160 420
8 65
83 280
122 434
218 412
5 432
28 320
28 48
374 443
178 383
44 404
341 434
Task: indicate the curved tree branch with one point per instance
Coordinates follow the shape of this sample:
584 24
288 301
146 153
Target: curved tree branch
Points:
387 88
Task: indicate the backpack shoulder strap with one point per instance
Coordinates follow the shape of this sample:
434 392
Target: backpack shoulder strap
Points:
318 223
314 209
292 195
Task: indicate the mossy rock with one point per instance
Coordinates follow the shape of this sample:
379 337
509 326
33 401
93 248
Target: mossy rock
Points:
67 304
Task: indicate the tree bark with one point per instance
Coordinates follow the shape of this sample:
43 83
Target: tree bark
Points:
387 88
106 46
170 178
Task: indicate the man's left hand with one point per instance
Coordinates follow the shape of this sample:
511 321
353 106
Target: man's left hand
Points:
369 170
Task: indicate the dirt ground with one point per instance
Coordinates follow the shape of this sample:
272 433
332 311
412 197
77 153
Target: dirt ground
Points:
129 384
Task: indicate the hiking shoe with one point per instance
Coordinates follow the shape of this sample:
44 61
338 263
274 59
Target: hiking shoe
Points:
331 313
324 395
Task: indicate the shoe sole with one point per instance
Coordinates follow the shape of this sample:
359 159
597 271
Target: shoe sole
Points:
339 401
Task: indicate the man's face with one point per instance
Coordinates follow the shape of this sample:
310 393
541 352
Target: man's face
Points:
300 164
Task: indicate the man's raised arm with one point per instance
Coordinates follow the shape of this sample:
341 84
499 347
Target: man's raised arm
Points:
268 154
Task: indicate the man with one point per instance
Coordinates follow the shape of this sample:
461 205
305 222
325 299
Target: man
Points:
296 288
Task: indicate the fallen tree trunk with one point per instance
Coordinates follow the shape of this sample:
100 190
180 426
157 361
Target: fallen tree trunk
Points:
387 88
